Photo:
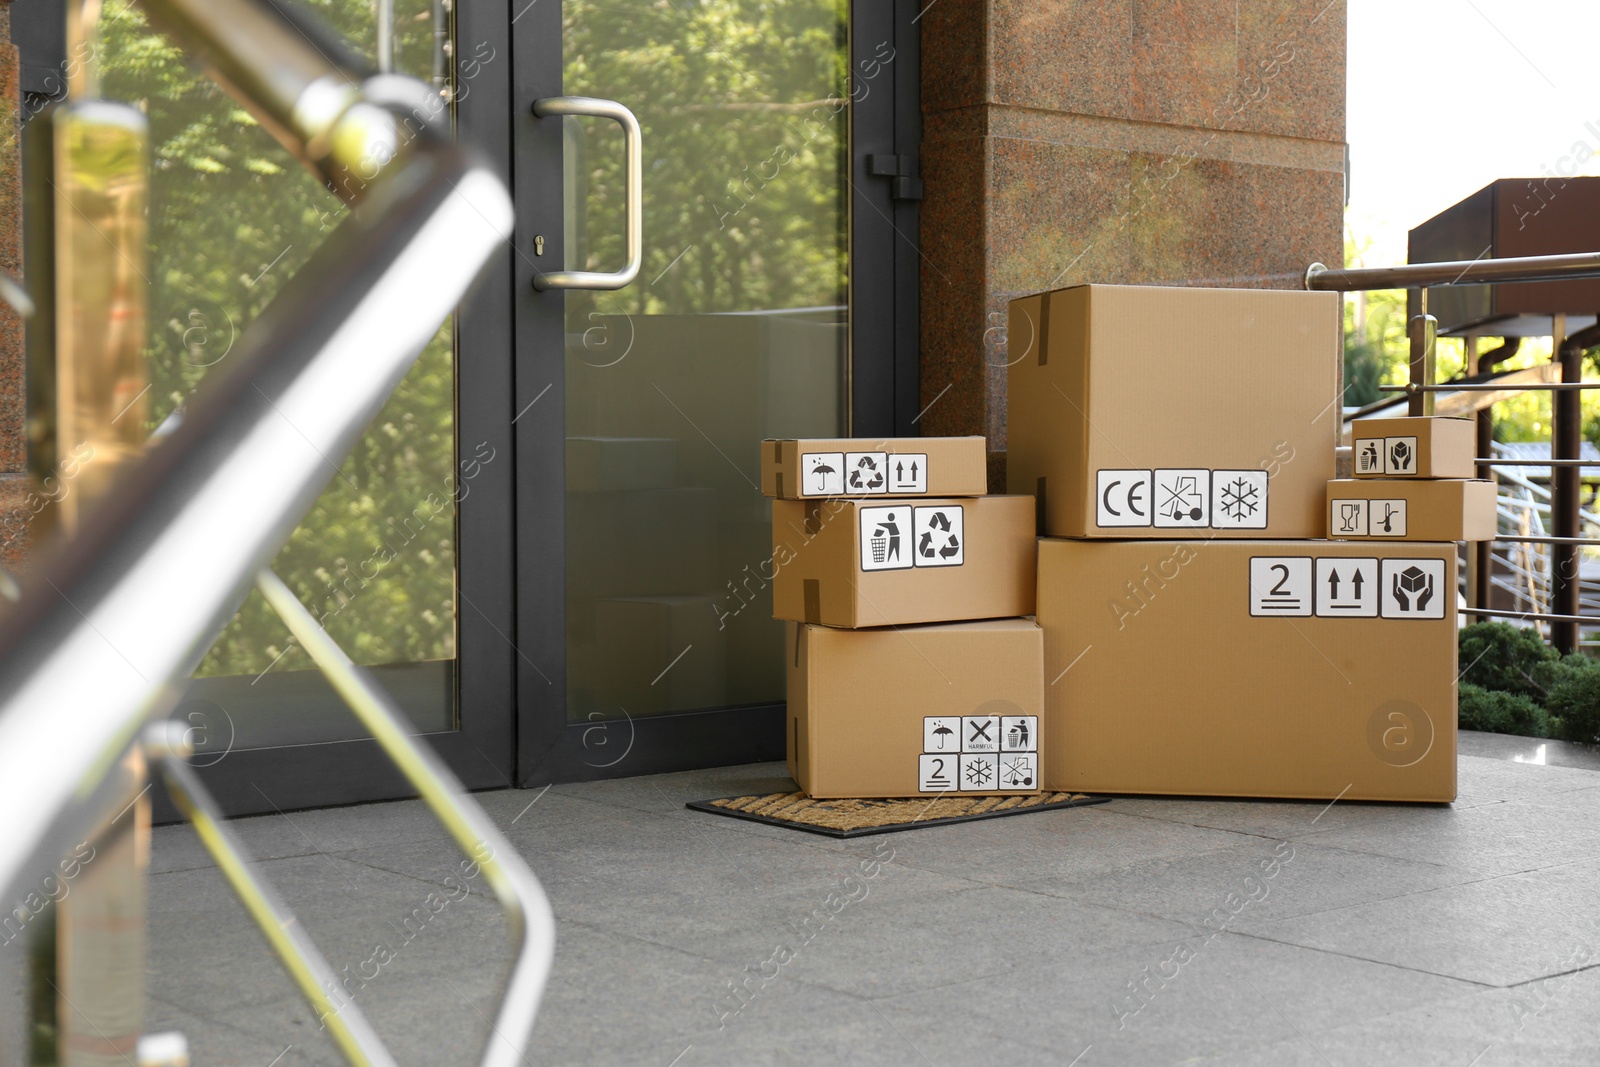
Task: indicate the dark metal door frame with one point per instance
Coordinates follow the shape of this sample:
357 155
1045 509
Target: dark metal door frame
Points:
885 128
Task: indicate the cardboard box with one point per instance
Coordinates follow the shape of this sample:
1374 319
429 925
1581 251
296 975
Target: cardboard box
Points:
851 563
1140 411
860 467
1424 447
1427 510
1255 669
916 711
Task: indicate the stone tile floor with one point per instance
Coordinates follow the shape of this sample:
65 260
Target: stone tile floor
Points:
1464 935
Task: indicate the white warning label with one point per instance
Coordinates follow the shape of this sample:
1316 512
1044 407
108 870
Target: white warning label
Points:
1413 589
938 774
940 536
866 473
1399 455
941 733
1018 733
1386 518
908 472
1183 497
1239 500
979 771
1280 585
978 753
1369 455
1347 518
886 538
822 474
1347 588
1123 498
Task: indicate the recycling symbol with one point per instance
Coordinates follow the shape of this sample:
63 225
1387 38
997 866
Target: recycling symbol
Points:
938 534
866 477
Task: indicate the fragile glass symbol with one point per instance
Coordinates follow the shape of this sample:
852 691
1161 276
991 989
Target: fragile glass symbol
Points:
1349 518
1240 500
1179 494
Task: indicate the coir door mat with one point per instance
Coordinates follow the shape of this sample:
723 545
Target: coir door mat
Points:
858 818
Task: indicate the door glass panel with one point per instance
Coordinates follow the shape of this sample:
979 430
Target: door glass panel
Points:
232 217
735 331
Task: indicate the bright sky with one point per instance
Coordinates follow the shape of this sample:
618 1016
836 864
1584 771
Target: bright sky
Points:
1444 96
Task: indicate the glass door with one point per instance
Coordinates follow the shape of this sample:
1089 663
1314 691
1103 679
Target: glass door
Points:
644 544
391 557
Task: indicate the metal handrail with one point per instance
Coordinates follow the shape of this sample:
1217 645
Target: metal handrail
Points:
1323 278
116 617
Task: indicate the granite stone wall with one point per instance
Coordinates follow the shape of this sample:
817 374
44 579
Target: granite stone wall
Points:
1185 142
15 483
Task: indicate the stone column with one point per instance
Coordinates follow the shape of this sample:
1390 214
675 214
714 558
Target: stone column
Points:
1179 142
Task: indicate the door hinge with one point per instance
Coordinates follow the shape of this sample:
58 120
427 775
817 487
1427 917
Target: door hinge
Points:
901 169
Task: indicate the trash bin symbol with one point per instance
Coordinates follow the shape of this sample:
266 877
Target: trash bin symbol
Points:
880 547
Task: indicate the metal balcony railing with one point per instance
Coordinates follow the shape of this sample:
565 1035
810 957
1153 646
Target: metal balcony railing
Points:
124 609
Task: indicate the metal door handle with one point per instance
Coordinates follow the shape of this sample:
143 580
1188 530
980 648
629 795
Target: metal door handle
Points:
604 109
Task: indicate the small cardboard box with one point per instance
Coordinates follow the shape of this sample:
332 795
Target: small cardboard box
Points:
851 563
916 711
1141 411
1312 669
1370 509
858 467
1423 447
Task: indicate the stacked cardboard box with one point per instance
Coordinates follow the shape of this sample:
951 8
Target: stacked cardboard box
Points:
1413 481
911 670
1202 634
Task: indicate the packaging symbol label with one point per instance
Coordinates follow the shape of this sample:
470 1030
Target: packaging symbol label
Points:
1239 500
886 538
1369 455
866 473
908 472
1019 733
980 733
979 770
1018 770
1281 585
941 733
1386 518
1183 497
1123 498
1347 588
822 474
978 753
1414 589
1347 518
1399 455
938 774
940 536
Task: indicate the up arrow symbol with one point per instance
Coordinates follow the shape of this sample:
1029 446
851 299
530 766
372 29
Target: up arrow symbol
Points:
1357 582
1333 584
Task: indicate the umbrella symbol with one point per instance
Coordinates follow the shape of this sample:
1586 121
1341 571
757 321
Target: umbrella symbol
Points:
941 732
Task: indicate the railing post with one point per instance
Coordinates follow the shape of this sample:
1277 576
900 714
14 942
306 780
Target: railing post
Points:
1423 330
1480 556
1566 437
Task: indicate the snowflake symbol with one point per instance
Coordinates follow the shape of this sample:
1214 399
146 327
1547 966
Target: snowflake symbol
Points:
979 772
1239 499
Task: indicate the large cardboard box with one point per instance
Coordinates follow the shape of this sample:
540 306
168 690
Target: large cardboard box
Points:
1425 510
842 466
1414 447
917 710
1260 669
1141 411
851 563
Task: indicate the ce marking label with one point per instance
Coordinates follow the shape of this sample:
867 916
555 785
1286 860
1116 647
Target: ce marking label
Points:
1122 498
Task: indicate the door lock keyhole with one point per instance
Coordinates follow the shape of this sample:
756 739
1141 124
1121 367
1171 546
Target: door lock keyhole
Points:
538 244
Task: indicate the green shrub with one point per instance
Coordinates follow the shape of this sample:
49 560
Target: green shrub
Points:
1507 659
1574 686
1501 713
